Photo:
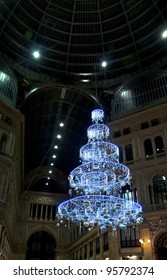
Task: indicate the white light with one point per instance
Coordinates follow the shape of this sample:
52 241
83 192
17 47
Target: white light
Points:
104 64
52 164
58 136
164 34
36 54
163 177
50 171
85 74
48 178
132 257
56 147
124 93
61 124
34 89
141 241
47 184
85 81
3 77
54 156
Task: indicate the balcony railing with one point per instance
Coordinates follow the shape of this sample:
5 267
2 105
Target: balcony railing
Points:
130 243
42 212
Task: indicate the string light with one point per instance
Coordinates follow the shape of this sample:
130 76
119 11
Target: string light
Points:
95 185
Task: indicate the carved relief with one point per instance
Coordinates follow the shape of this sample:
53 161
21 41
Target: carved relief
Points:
155 226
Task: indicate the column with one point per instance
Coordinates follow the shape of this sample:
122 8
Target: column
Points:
30 209
51 212
41 212
101 247
46 212
36 211
114 246
88 250
94 249
147 244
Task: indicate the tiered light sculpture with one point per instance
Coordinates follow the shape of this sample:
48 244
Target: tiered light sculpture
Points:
96 184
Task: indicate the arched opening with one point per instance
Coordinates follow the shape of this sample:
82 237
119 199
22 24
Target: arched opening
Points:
159 145
148 148
162 247
41 246
129 152
160 189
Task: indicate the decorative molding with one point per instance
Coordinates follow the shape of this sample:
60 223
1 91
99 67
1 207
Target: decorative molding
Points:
156 226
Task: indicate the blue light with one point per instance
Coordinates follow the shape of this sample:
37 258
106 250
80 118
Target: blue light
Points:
101 210
96 184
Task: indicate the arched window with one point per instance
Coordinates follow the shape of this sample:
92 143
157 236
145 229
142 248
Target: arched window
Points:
160 189
148 149
129 152
159 144
41 246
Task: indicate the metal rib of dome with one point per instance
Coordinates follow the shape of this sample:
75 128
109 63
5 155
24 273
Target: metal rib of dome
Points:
44 110
74 36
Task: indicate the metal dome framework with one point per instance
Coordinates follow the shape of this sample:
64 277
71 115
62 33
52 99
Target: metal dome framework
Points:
8 85
75 36
44 110
137 94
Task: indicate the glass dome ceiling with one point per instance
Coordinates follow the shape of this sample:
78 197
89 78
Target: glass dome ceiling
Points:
74 36
55 127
